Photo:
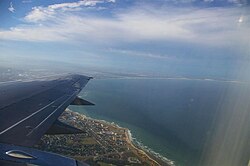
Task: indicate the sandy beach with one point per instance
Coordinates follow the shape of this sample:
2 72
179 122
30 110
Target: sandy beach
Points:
142 154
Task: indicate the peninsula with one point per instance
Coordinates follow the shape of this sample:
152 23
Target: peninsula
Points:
101 143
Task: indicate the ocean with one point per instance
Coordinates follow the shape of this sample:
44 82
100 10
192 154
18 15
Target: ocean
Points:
171 117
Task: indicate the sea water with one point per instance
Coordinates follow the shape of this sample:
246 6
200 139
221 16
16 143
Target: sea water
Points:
170 117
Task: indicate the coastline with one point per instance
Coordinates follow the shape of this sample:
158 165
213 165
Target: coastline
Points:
153 155
139 148
101 143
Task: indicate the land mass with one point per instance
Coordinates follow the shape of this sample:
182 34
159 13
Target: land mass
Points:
101 144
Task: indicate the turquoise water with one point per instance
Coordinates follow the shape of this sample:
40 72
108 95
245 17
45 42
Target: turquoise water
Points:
171 117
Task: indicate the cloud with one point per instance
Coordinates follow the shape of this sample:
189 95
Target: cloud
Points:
137 53
39 14
32 34
65 6
42 13
11 8
208 26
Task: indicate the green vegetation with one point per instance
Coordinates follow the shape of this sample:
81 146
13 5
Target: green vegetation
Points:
88 141
104 164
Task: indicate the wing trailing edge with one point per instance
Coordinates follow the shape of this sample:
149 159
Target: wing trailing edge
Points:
61 128
80 101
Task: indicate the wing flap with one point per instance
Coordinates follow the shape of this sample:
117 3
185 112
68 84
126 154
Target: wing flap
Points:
80 101
61 128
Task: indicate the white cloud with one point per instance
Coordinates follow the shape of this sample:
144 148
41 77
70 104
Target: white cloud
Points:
137 53
39 33
75 4
11 8
42 13
39 14
215 26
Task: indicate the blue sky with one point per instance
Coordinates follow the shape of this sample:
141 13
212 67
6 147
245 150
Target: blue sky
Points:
163 37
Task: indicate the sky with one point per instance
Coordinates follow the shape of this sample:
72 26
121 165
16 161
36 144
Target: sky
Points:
184 38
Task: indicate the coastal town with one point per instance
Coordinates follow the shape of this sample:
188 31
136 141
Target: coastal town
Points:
100 143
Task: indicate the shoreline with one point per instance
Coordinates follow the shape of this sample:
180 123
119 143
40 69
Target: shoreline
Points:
150 154
155 156
139 150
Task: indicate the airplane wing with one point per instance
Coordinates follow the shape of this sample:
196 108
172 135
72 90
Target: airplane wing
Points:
30 109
